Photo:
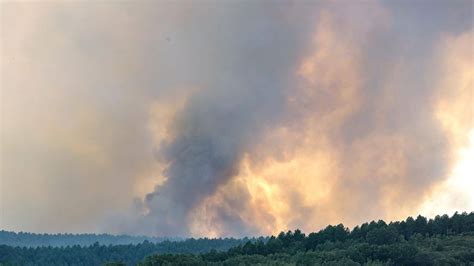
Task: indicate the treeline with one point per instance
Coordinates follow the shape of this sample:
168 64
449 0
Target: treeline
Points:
443 240
24 239
97 254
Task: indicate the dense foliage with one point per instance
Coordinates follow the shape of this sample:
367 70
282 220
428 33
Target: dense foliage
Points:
440 241
97 254
24 239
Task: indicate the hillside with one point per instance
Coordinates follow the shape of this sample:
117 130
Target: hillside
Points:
440 241
443 240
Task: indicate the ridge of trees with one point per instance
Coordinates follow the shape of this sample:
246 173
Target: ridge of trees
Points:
443 240
375 233
419 241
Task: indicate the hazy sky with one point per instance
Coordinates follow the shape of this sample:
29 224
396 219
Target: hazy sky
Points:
219 118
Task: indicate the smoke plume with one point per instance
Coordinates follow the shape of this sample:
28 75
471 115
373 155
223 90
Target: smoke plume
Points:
231 118
335 123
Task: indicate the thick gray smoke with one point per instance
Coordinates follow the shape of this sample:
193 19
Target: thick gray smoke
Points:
290 114
254 52
255 58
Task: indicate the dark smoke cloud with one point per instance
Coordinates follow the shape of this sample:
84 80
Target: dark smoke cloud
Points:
214 131
219 123
230 75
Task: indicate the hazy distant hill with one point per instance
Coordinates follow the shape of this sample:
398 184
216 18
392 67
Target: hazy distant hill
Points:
23 239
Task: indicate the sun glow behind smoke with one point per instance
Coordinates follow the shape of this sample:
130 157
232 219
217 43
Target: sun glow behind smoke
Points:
455 112
303 175
457 193
463 174
307 171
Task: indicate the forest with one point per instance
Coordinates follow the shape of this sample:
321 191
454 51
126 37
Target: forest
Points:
443 240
